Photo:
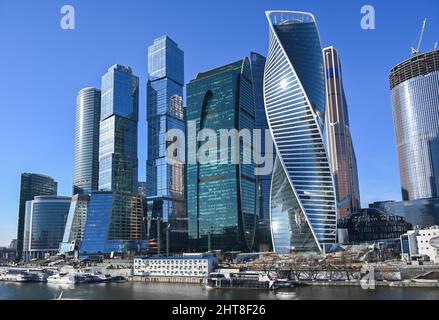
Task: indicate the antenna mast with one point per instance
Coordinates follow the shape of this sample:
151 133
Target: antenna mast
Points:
417 50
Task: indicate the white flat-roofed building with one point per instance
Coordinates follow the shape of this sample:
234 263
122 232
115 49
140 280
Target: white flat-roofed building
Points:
199 265
421 243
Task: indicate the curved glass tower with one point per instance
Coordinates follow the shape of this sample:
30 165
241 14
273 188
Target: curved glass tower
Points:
221 196
303 206
415 101
86 163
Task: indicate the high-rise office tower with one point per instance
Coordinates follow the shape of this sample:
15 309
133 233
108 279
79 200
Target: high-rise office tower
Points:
341 152
118 130
303 205
86 159
415 102
257 65
165 181
115 212
32 185
221 195
44 225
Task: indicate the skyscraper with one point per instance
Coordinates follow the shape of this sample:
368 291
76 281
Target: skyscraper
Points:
44 225
165 181
257 65
86 161
32 185
115 212
414 87
118 131
221 196
303 205
341 152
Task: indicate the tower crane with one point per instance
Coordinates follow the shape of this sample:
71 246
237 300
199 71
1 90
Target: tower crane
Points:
417 50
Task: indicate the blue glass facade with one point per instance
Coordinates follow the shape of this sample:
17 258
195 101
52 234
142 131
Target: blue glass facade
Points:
86 159
415 105
221 198
303 206
422 212
165 181
32 184
257 64
118 164
46 218
114 224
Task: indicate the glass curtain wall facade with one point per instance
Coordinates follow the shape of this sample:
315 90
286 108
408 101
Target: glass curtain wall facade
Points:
341 152
32 185
414 87
221 197
46 218
114 224
303 206
86 156
257 64
167 214
75 225
115 212
118 164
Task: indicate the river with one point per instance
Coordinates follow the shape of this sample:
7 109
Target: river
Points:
152 291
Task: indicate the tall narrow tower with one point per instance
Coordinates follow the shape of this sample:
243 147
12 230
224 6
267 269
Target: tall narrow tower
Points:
118 131
341 152
165 181
303 207
86 160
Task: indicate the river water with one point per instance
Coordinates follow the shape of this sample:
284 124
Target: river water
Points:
152 291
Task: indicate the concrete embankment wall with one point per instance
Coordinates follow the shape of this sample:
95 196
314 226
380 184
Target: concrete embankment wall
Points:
389 284
189 280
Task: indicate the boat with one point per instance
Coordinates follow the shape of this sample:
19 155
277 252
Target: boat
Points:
62 279
16 276
98 277
244 279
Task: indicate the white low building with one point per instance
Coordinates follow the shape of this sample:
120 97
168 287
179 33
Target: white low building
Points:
188 265
420 243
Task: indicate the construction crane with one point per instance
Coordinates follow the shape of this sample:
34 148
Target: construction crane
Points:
417 50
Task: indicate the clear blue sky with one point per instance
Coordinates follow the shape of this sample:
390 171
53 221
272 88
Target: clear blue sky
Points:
43 67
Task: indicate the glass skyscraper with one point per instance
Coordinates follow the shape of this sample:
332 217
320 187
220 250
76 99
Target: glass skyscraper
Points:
414 87
341 152
115 212
118 164
221 197
86 160
257 65
44 225
303 206
32 185
165 181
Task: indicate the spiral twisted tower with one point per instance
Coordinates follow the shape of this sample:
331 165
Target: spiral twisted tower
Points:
303 212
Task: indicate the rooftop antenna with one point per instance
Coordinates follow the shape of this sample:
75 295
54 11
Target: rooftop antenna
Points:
417 50
435 46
